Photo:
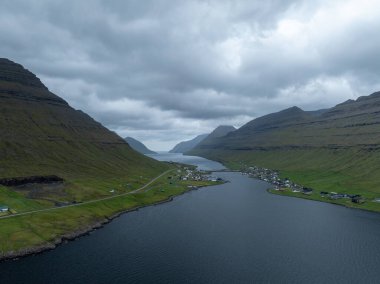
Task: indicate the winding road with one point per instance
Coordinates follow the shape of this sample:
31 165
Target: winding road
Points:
89 202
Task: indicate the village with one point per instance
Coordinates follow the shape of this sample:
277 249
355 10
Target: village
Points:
195 175
281 184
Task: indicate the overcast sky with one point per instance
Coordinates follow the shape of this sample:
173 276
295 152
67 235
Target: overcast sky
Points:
164 71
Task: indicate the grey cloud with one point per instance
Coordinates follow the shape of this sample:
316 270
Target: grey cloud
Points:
171 69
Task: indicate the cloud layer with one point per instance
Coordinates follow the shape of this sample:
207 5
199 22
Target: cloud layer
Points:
163 71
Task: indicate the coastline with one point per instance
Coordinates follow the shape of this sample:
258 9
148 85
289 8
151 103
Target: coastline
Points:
363 206
72 236
271 191
88 228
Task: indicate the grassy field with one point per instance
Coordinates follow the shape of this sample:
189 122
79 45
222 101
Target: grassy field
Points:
76 189
351 171
22 232
369 205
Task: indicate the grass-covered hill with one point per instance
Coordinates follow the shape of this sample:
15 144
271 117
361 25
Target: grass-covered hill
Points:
62 173
138 146
203 139
335 149
212 138
40 134
185 146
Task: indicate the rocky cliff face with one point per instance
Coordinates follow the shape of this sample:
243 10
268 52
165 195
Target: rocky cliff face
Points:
41 134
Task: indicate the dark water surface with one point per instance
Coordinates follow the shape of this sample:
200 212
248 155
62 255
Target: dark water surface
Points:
231 233
202 163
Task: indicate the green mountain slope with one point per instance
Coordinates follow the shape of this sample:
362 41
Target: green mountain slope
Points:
185 146
336 149
138 146
40 134
212 138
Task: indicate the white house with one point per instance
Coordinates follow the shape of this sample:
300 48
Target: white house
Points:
3 208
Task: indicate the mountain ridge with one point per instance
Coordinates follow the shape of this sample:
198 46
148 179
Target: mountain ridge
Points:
138 146
218 132
42 134
185 146
335 149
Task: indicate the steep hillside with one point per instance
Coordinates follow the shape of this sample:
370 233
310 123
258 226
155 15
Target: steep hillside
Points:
138 146
63 174
347 125
337 149
42 135
185 146
218 132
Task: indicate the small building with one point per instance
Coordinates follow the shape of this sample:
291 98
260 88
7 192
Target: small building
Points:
307 191
357 199
4 208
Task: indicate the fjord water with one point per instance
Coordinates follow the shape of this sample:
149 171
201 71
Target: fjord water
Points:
230 233
201 163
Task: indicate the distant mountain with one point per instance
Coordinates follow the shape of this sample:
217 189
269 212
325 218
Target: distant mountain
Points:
317 112
336 148
218 132
42 135
138 146
188 145
221 131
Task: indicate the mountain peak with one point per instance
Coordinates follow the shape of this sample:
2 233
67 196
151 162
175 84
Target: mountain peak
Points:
138 146
222 130
16 82
185 146
16 73
346 103
375 95
42 135
293 109
228 127
287 116
363 105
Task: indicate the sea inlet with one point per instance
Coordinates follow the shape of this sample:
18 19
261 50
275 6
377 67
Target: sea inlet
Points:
231 233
